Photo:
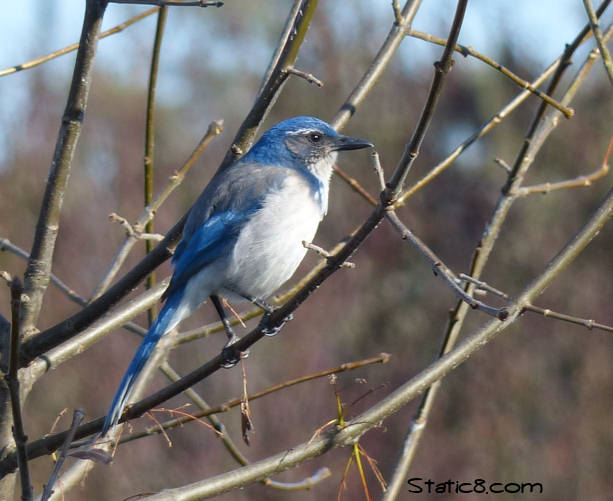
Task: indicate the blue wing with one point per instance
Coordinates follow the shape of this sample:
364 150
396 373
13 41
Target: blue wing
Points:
211 230
211 240
214 238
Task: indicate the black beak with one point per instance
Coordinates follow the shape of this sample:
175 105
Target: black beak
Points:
350 143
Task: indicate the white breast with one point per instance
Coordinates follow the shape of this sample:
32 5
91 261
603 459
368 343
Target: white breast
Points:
269 247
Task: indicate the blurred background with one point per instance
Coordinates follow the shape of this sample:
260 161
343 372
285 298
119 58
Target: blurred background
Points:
532 406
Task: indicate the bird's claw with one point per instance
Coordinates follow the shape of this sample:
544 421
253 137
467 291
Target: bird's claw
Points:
273 331
231 356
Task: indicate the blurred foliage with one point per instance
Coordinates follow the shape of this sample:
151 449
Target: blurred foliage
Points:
532 406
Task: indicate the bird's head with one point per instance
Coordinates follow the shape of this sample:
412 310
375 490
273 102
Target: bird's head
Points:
304 142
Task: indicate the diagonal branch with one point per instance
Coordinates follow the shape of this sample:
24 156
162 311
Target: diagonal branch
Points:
604 51
441 68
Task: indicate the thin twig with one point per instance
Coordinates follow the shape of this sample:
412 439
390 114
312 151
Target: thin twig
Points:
376 162
604 51
302 485
546 312
324 253
12 379
62 286
309 77
70 48
441 69
478 134
149 153
48 488
585 322
354 184
397 12
469 51
7 245
579 181
226 406
229 444
502 163
440 268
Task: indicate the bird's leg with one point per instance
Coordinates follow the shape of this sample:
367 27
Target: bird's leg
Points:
231 355
268 309
232 337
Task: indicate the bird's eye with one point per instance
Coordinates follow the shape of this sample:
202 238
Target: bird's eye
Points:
314 137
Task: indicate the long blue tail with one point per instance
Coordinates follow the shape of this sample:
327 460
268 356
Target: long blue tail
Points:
165 321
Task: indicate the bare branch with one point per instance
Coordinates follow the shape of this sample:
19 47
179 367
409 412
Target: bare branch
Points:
51 442
7 245
469 51
482 131
585 322
604 51
325 253
546 312
441 68
502 163
309 77
379 171
72 347
76 421
353 183
149 152
397 13
12 381
41 256
579 181
440 268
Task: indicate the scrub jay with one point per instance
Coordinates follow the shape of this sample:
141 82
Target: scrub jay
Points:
243 236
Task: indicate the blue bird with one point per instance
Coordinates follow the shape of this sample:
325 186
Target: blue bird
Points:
243 236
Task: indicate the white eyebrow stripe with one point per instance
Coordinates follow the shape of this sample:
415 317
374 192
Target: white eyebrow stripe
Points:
303 131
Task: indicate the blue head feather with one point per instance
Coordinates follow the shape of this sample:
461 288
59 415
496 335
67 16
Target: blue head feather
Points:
272 148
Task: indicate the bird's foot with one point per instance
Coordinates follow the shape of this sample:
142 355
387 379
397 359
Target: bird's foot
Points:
272 331
230 354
